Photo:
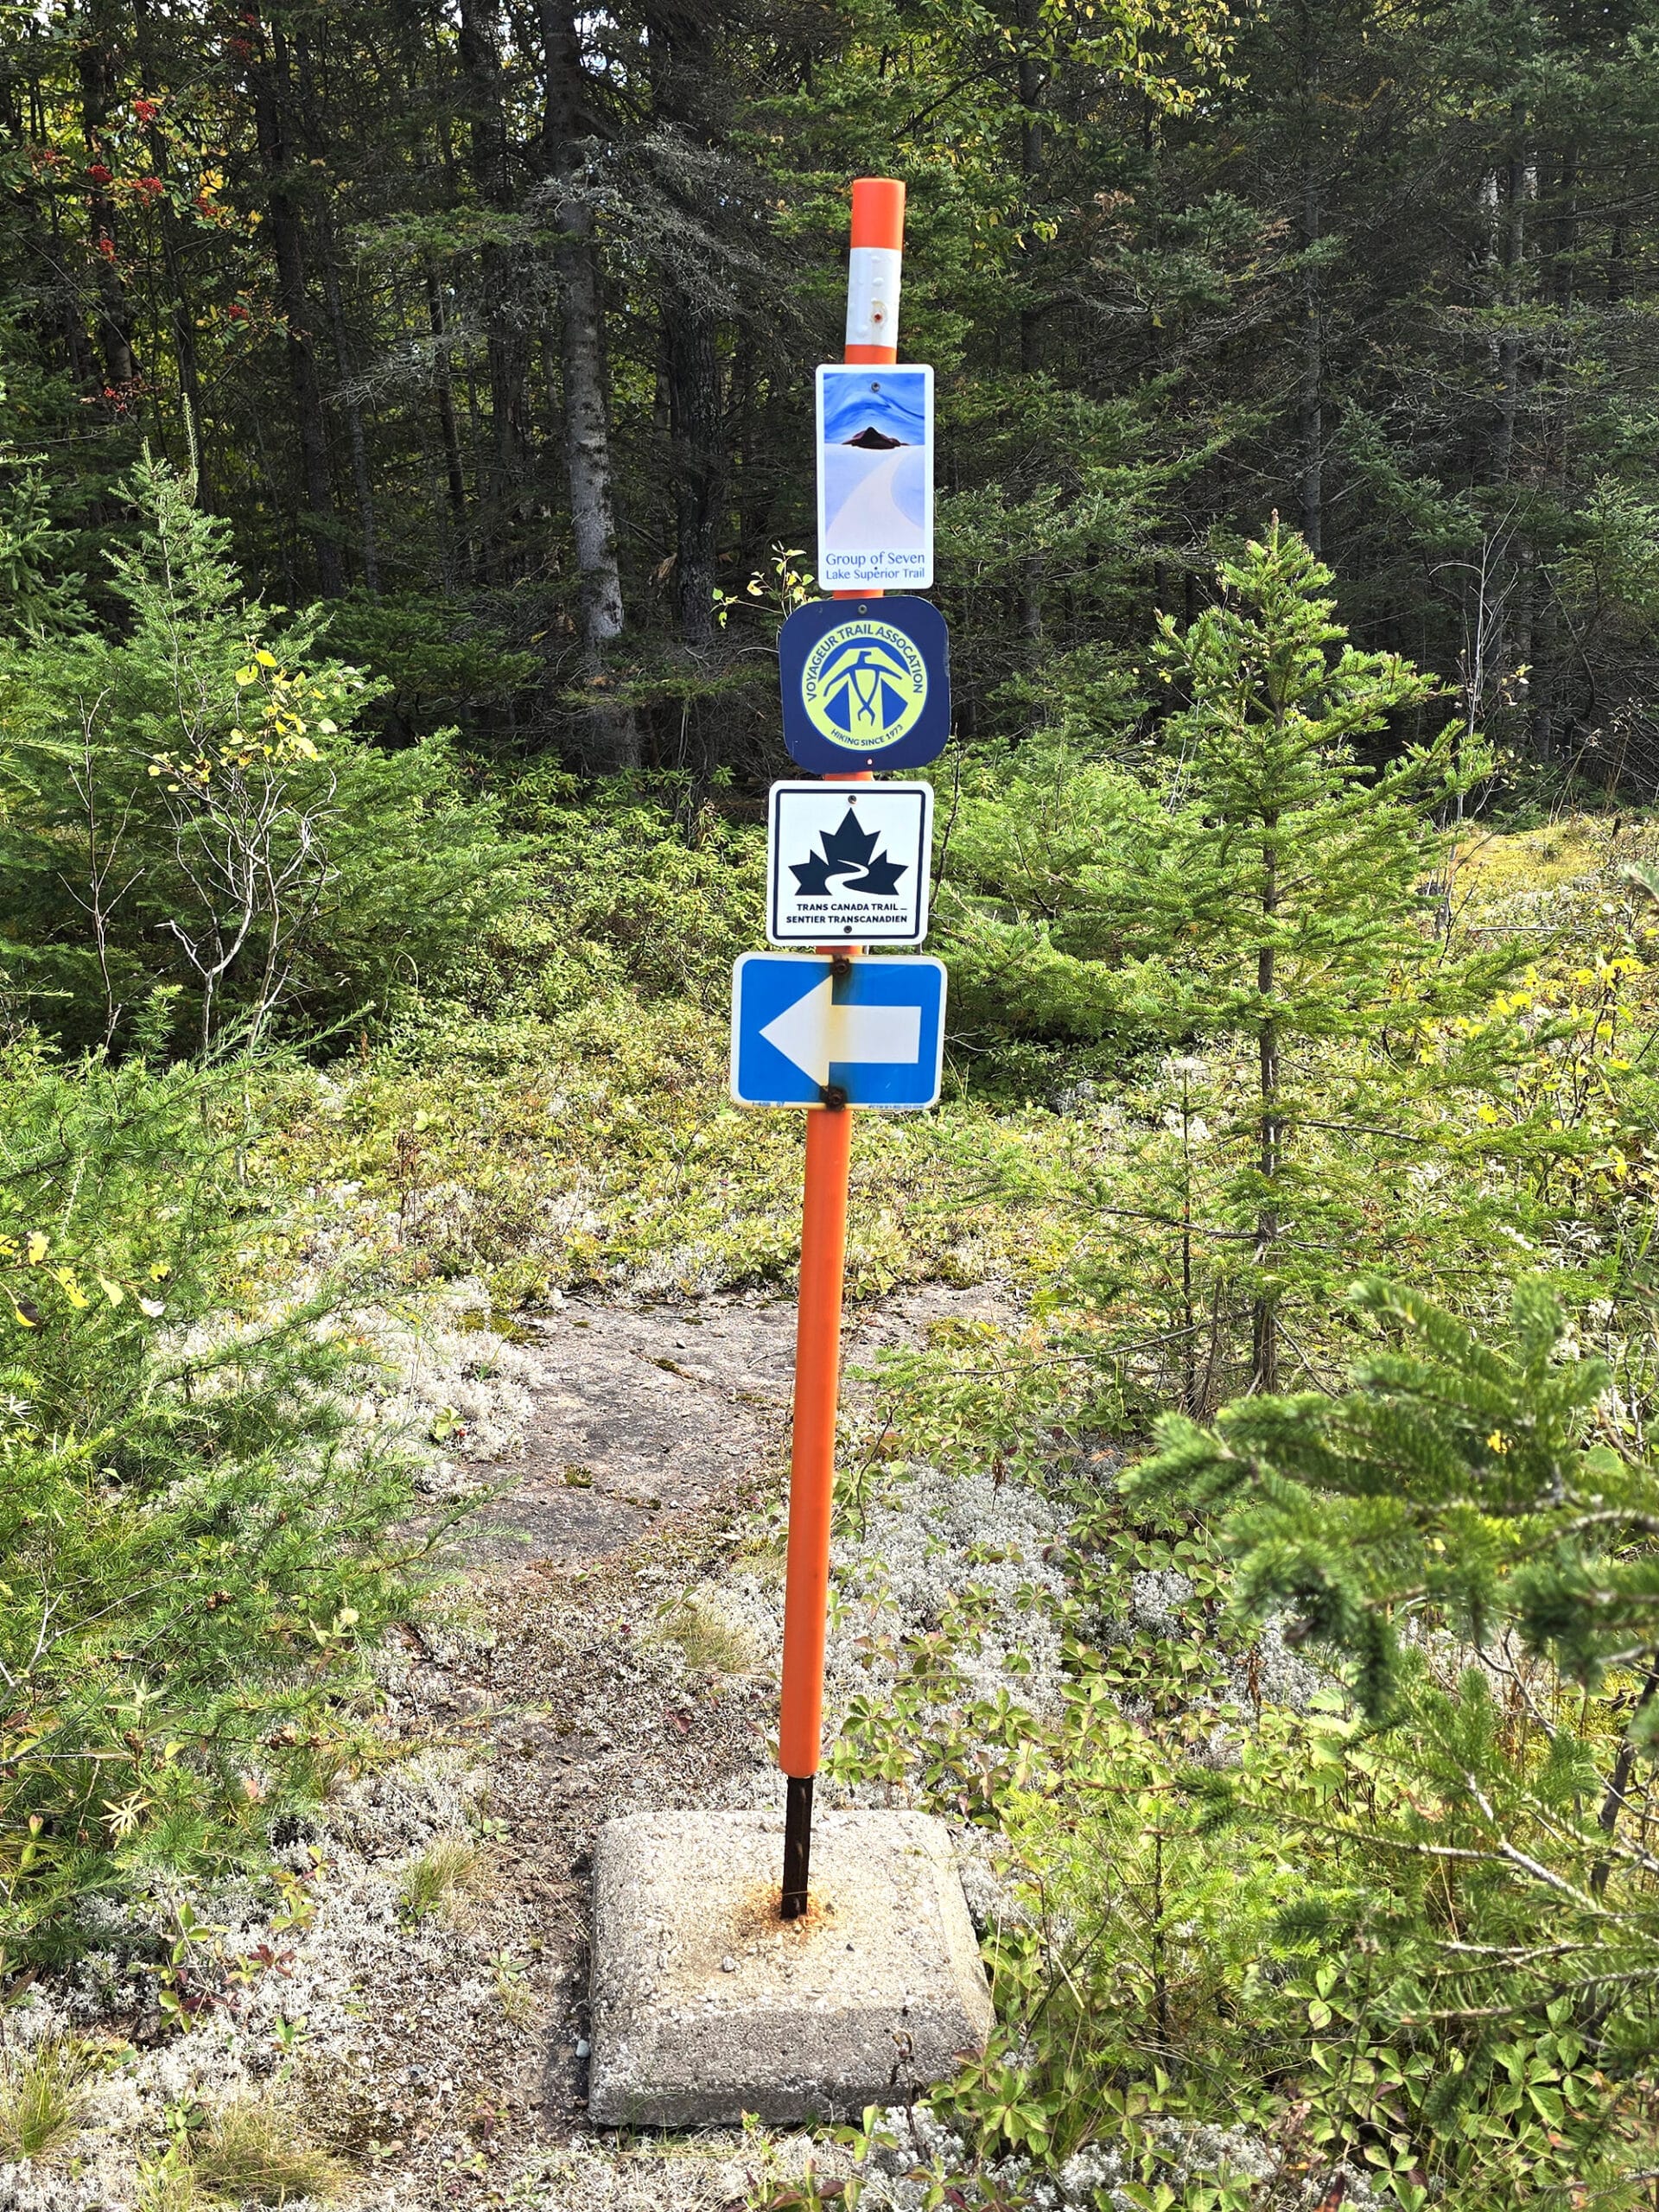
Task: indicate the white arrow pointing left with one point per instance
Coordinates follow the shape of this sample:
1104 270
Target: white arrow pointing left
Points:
815 1031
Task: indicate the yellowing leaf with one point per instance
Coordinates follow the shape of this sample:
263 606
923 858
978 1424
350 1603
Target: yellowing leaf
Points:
38 1242
112 1291
249 675
71 1289
266 659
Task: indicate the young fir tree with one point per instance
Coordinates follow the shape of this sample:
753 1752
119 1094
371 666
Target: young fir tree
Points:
1453 1485
1494 1901
1284 878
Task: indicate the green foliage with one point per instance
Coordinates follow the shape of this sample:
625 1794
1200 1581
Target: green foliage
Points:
1453 1481
1253 895
1417 1951
193 1538
429 672
36 595
189 811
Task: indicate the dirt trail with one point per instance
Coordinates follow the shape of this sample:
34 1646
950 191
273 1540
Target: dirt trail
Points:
657 1431
650 1416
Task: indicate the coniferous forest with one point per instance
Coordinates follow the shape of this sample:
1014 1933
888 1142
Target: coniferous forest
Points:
1247 1518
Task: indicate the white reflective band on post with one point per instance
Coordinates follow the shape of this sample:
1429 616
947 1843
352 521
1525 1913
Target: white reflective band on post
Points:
872 295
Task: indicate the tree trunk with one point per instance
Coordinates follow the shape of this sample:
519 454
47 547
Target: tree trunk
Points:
269 77
1034 93
613 738
682 76
501 271
97 66
1264 1314
1310 404
698 449
180 323
1521 184
455 476
352 411
317 140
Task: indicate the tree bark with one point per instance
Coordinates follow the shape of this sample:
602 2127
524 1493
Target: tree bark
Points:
1264 1315
1521 184
698 448
1310 405
1032 81
455 476
1033 78
613 741
501 271
683 76
98 67
353 413
317 138
272 111
181 322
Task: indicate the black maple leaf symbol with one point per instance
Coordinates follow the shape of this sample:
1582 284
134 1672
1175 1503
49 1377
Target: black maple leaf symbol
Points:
848 852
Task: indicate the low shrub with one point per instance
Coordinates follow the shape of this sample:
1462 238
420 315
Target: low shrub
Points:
194 1533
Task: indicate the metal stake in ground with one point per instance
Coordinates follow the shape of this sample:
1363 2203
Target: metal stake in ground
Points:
878 238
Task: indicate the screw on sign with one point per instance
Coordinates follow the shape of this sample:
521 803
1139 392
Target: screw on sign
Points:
873 281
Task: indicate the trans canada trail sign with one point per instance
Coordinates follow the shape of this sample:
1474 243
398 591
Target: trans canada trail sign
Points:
849 861
866 684
875 1031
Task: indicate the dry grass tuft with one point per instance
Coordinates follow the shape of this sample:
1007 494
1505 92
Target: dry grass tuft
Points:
445 1881
707 1639
252 2151
40 2098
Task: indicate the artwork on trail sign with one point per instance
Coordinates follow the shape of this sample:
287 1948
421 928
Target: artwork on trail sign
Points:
876 1032
866 684
845 863
875 478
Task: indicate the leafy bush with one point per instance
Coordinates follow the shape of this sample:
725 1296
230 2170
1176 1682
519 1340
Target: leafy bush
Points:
187 810
1238 1921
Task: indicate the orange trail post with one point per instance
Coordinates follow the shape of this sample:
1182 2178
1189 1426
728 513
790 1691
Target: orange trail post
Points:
878 237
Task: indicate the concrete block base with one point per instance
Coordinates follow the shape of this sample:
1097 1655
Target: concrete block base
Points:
707 2005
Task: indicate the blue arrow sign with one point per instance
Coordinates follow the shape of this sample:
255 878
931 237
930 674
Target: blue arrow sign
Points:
877 1032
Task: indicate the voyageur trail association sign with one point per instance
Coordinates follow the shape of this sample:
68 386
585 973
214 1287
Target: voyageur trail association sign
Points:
866 684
